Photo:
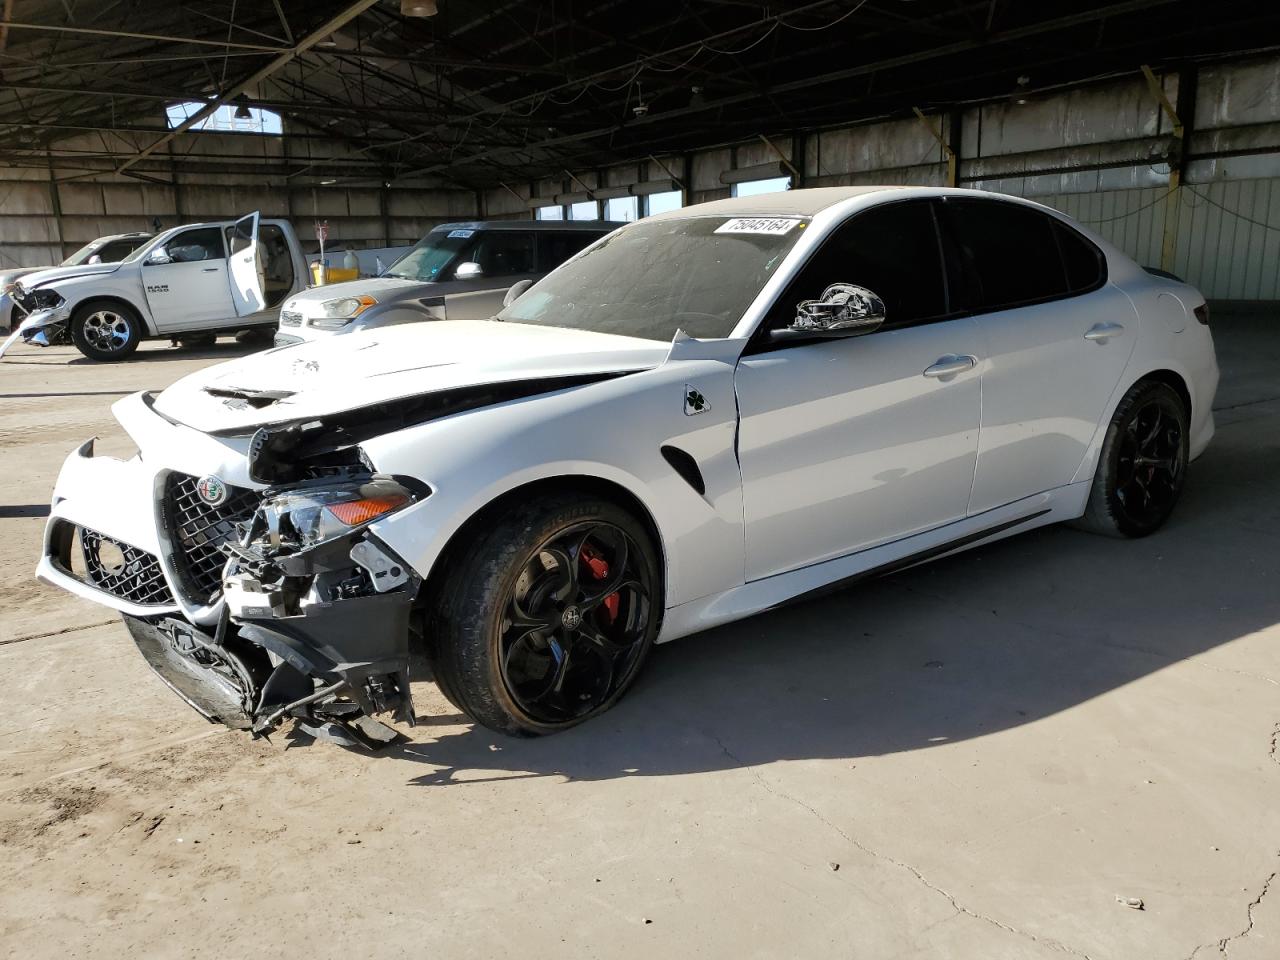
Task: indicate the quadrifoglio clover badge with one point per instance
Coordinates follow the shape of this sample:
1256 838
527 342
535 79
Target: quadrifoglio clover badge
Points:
694 402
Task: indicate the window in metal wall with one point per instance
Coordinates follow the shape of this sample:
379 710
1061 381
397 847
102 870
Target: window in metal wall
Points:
549 213
751 188
586 210
622 209
662 202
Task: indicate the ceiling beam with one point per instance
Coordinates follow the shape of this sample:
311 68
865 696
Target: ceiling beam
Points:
277 63
128 35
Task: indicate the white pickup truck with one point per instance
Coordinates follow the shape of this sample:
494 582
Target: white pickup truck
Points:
187 282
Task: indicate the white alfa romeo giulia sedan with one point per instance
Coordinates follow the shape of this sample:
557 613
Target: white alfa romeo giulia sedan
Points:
706 414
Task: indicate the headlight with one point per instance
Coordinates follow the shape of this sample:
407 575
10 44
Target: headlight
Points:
306 517
10 287
338 313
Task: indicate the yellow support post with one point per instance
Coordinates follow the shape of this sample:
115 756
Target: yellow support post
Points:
1169 246
952 171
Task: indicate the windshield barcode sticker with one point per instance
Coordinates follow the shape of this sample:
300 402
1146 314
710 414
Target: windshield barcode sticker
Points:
460 233
770 225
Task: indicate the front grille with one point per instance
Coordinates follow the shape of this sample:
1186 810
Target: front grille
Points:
290 318
123 571
198 531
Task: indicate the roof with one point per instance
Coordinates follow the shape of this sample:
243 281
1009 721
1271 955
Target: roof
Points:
793 203
550 226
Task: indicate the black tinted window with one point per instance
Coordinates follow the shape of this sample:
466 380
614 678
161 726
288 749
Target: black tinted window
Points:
1011 249
501 252
891 250
554 248
1084 263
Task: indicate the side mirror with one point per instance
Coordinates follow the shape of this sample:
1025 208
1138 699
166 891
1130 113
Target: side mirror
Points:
517 290
157 256
468 271
96 258
843 310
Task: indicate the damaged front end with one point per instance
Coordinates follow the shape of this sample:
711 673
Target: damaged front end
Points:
316 620
42 326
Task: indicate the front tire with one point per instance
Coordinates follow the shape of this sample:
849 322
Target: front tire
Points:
105 330
1143 464
547 618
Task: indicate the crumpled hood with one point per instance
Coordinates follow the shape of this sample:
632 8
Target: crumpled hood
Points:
61 274
308 380
14 273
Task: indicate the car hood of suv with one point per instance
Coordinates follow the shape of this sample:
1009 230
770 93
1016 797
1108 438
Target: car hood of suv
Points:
377 287
305 381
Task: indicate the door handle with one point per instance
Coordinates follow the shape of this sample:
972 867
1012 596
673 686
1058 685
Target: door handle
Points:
1103 331
208 269
950 365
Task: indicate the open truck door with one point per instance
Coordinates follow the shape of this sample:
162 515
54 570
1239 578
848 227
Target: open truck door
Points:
246 267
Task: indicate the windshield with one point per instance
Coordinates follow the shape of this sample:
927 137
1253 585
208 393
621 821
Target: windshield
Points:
696 274
431 255
83 254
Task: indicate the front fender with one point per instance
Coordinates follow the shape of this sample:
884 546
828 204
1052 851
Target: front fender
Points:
612 431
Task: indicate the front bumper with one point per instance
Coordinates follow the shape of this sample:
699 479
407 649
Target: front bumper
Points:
243 656
40 327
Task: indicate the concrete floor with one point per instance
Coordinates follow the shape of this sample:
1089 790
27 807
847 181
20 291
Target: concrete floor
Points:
973 759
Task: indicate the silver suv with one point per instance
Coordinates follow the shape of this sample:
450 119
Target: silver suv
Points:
458 271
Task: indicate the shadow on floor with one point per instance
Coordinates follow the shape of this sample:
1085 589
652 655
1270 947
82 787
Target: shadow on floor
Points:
967 646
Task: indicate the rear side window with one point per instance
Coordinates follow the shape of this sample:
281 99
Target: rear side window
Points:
117 250
1012 252
1086 267
555 247
892 250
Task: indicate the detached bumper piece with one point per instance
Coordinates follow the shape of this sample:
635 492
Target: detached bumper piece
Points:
308 637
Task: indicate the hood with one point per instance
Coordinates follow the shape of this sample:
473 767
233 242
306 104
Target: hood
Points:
59 274
8 276
334 374
373 286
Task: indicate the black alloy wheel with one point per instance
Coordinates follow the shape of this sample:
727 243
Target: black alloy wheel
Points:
575 622
1142 467
547 613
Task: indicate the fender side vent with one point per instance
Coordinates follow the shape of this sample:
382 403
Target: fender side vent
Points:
683 463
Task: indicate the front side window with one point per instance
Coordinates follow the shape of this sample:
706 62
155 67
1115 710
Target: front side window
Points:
194 246
1010 250
502 253
117 250
892 250
654 277
433 255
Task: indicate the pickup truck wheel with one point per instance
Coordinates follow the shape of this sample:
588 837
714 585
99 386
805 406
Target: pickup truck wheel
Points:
105 330
548 616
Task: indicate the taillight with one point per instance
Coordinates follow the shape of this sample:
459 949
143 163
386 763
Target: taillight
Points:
1202 313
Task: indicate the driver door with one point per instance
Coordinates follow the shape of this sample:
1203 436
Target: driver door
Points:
247 273
848 443
186 281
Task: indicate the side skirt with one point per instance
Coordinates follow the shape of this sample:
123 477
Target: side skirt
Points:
1053 506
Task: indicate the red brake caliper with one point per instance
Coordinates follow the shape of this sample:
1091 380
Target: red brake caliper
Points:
599 568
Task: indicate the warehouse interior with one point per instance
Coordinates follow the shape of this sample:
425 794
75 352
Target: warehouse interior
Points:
1052 745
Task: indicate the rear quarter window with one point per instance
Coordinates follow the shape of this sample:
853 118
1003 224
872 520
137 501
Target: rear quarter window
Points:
1012 252
1085 265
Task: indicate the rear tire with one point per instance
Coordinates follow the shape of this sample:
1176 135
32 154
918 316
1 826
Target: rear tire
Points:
1143 464
106 330
546 619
